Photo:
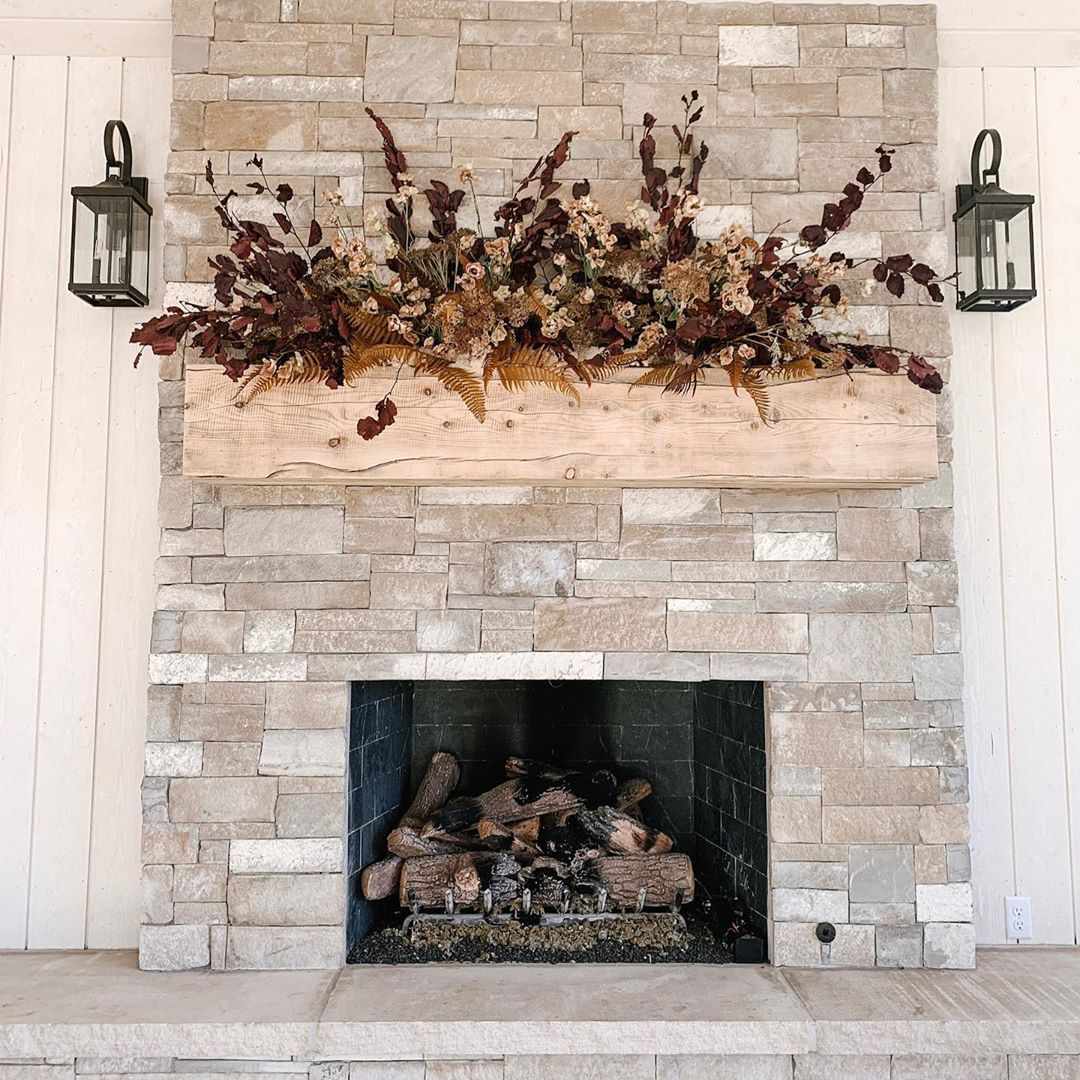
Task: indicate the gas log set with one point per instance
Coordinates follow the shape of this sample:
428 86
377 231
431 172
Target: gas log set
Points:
548 844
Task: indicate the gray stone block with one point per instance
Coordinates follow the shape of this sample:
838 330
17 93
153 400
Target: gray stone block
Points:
286 899
949 945
284 530
900 946
881 872
174 948
529 569
267 948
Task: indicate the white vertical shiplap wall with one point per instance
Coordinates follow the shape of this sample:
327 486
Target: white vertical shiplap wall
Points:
1017 394
78 491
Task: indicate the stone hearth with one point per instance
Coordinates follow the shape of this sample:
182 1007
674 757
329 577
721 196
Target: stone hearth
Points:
274 598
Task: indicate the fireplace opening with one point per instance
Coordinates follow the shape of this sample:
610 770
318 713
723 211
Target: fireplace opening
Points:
546 821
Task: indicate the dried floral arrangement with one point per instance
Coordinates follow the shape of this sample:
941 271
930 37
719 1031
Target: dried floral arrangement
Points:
558 296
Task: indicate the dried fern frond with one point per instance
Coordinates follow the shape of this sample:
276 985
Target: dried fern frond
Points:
750 380
791 371
457 380
518 376
297 369
368 329
362 358
507 353
660 375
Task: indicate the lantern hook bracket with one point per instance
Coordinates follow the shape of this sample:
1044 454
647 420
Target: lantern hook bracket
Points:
120 168
978 183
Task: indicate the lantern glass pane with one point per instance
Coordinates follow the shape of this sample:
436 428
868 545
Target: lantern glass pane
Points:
101 240
1005 246
966 252
140 249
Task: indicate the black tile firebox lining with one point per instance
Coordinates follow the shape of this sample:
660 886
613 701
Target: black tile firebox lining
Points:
701 744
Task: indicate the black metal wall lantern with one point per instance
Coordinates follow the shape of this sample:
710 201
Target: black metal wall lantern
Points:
110 232
995 250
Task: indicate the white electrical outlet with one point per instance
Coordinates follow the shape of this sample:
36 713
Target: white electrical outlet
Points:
1018 917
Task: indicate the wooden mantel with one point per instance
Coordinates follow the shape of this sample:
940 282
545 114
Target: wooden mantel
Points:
871 430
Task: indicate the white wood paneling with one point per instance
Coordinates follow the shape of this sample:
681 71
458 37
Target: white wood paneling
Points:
67 704
1018 532
78 468
131 540
1057 96
27 356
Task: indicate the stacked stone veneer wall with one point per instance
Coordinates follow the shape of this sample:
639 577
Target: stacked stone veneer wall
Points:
272 598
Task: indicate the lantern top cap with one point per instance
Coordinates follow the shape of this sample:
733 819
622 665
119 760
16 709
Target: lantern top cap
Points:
118 180
985 186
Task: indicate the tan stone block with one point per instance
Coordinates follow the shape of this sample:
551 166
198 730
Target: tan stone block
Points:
408 590
869 534
506 523
337 58
930 864
224 799
165 843
814 697
798 99
759 46
613 16
649 68
757 153
190 54
887 748
186 127
644 43
230 759
518 88
379 535
856 648
359 133
870 824
221 722
474 58
528 36
257 58
347 11
879 787
823 739
296 88
591 122
946 824
261 125
213 632
811 596
617 625
860 95
687 542
910 93
307 705
703 631
533 10
795 819
663 100
410 69
291 530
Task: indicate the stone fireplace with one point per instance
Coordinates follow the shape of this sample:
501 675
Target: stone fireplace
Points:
700 745
283 607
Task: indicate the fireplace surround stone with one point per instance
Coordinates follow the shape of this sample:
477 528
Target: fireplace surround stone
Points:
274 598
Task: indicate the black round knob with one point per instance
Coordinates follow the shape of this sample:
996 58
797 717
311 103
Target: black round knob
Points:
826 933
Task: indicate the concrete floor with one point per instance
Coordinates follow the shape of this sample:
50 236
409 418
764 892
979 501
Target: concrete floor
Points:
62 1004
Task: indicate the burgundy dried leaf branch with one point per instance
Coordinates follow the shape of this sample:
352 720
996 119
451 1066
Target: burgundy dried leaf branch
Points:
559 294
